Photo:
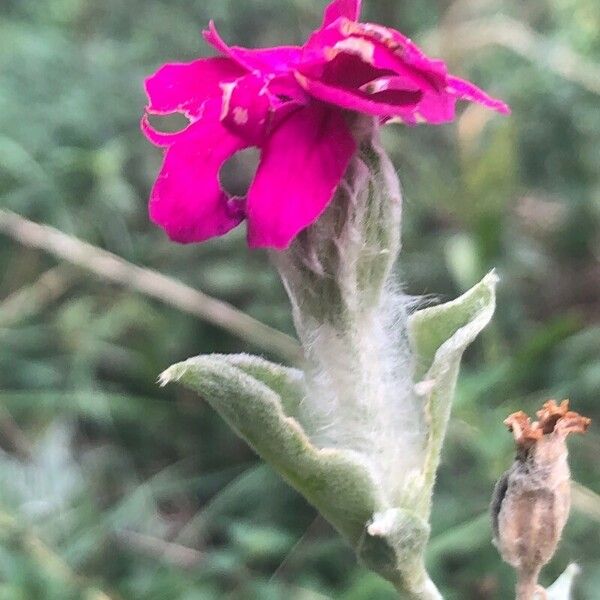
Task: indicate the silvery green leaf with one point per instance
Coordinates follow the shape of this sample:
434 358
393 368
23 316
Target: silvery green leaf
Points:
244 391
286 382
439 336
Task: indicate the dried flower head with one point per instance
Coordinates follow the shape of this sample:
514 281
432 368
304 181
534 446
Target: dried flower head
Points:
532 499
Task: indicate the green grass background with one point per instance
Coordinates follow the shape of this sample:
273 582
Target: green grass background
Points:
126 491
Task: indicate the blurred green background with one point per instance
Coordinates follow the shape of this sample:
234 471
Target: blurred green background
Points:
113 488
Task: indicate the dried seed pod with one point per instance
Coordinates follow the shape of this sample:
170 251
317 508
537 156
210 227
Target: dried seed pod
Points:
532 499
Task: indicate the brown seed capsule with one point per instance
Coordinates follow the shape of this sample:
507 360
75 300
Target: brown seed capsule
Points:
532 499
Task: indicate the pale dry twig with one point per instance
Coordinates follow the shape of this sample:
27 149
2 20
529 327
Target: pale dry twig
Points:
149 282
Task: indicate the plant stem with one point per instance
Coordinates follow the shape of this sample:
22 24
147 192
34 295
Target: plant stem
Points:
428 591
527 584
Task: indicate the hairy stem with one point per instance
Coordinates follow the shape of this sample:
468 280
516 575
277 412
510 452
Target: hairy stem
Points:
527 584
428 591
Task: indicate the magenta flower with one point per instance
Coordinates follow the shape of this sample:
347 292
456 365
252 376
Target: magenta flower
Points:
294 104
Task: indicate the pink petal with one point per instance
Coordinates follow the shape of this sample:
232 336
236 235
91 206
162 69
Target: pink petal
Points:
284 111
343 69
266 61
301 165
465 90
431 110
376 70
160 138
395 51
378 50
378 104
426 77
187 200
246 108
349 79
286 88
350 9
433 107
397 44
184 87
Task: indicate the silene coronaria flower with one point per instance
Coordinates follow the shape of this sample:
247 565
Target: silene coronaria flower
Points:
295 104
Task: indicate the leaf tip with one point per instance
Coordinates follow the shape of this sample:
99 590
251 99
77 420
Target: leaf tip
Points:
491 279
173 373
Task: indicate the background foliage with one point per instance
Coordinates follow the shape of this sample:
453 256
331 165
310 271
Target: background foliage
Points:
112 487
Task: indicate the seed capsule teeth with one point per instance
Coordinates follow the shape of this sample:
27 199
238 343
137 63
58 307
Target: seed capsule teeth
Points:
531 501
524 431
552 417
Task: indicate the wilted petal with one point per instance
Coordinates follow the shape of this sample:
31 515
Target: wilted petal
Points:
184 87
350 9
301 166
266 60
465 90
187 200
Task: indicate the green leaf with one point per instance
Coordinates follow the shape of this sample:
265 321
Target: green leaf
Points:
434 327
244 391
439 335
286 382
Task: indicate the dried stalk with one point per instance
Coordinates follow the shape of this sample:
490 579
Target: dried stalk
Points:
148 282
30 299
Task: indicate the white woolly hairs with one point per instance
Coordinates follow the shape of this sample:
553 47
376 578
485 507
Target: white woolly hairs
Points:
360 392
351 317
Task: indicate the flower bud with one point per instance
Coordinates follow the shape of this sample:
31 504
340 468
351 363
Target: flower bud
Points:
337 269
532 499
